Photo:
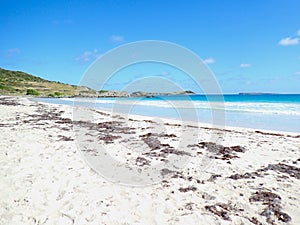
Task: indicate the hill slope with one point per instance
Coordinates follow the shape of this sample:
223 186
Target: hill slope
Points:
20 83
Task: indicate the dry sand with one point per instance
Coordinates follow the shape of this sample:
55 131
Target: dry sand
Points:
253 177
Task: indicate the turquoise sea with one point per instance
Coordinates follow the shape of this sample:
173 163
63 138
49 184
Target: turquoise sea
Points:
279 112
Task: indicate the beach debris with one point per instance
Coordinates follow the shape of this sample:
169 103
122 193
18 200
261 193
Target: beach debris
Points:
69 217
141 161
6 125
193 146
219 209
118 117
245 176
64 138
172 174
292 171
148 121
296 161
151 139
179 175
186 189
267 133
224 210
237 148
172 124
189 206
64 121
108 138
207 196
226 153
165 184
171 150
191 126
213 177
100 113
254 220
9 101
130 119
264 196
293 136
166 171
273 207
168 135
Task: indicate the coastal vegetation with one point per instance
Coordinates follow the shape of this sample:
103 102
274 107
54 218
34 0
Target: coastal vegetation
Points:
20 83
17 83
32 92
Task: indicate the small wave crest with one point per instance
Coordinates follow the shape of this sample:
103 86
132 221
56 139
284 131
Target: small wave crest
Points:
242 107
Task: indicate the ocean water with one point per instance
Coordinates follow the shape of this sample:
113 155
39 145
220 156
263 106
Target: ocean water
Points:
279 112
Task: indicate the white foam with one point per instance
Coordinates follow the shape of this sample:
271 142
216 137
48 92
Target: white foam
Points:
242 107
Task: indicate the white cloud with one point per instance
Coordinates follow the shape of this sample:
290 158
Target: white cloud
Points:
209 60
245 65
298 32
117 38
87 56
288 41
297 73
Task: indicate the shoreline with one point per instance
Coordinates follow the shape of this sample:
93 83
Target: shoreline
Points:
251 177
193 123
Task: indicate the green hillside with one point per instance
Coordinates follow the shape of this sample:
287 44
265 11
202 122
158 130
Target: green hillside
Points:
20 83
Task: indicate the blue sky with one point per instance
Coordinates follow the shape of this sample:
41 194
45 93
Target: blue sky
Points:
250 45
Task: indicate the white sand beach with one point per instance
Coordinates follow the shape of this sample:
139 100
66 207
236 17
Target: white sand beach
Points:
253 177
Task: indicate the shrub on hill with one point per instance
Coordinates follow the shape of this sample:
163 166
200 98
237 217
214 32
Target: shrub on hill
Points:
58 94
32 92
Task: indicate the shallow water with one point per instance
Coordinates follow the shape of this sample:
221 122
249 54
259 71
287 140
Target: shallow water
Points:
270 112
